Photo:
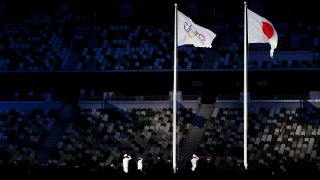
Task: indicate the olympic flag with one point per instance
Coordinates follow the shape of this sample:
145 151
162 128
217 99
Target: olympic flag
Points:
191 33
185 32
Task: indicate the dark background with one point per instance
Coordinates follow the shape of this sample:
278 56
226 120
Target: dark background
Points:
206 82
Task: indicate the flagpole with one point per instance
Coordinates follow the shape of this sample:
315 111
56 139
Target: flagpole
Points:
174 100
245 98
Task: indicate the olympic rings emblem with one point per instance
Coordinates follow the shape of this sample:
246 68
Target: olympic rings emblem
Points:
192 32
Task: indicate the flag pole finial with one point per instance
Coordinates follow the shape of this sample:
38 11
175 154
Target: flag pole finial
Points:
245 2
175 4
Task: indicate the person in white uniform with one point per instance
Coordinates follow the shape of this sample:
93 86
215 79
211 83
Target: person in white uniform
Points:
140 164
194 161
125 163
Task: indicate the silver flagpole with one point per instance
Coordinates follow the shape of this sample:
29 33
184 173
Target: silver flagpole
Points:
245 90
174 100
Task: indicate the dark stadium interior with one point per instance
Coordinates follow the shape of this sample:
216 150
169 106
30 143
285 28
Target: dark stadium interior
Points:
85 83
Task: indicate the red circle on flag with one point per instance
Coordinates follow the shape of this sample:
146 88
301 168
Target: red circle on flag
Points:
267 29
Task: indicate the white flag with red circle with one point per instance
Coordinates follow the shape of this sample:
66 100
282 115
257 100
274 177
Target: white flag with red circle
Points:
260 30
